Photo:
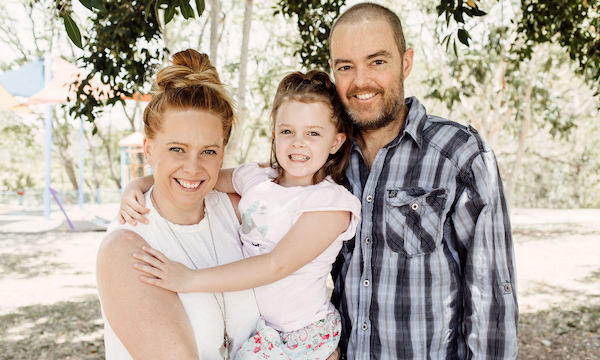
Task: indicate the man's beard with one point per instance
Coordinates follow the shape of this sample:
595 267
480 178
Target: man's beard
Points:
389 112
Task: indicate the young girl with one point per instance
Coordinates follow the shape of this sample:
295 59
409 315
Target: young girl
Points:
295 217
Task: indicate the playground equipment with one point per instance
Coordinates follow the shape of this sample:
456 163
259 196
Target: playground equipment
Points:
132 158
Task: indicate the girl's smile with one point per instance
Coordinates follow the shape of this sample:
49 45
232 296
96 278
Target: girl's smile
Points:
304 137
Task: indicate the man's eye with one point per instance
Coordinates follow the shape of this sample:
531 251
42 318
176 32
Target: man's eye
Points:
378 62
344 68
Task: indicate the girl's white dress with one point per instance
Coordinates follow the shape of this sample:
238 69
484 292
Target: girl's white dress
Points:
299 301
201 308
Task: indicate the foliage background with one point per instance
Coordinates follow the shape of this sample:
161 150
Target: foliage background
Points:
532 100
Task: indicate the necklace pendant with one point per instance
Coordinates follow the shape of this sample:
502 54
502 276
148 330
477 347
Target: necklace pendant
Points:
225 350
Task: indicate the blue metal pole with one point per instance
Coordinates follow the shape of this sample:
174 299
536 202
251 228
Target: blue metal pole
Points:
81 164
48 141
123 168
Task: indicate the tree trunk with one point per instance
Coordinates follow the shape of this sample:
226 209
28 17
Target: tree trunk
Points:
525 126
215 20
241 93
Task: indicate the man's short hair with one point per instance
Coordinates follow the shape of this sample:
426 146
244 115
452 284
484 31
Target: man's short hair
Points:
370 11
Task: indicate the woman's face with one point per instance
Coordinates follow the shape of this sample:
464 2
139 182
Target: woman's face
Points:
185 156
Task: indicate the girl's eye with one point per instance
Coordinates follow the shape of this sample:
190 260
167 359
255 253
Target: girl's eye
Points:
176 149
285 132
314 133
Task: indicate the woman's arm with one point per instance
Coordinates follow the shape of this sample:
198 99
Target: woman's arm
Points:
312 234
149 321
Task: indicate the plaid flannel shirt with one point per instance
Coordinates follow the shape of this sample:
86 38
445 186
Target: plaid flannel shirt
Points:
431 271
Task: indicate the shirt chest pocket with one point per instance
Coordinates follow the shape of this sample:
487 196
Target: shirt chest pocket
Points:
414 220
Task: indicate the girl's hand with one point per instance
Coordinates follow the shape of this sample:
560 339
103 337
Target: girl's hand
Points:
132 205
166 274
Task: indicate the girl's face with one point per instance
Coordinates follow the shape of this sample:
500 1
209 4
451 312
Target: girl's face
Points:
304 137
185 156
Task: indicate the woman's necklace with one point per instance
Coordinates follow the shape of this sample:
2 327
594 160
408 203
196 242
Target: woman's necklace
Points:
227 346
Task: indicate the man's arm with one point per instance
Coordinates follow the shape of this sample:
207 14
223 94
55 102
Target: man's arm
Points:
489 277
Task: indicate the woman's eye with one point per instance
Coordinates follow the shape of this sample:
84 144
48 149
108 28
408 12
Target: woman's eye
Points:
209 152
176 149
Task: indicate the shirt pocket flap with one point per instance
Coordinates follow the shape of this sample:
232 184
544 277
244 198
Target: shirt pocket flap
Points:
414 220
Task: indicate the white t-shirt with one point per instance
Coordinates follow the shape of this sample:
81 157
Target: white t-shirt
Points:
201 308
268 212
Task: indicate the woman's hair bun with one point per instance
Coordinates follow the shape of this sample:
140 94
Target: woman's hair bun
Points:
189 69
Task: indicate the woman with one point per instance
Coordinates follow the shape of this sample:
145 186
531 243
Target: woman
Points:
187 125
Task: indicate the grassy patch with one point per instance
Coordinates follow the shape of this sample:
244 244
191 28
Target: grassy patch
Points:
28 265
559 334
65 330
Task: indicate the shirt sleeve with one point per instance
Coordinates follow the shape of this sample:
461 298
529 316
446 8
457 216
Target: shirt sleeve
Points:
332 197
482 225
247 175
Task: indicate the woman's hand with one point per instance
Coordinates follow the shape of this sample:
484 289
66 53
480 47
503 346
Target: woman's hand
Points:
166 274
132 207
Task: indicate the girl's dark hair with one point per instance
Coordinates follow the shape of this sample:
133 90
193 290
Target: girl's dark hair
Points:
191 82
315 86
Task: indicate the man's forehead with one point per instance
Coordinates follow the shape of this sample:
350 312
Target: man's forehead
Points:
373 34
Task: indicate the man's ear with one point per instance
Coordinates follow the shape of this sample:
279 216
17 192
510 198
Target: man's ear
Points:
147 151
338 141
407 61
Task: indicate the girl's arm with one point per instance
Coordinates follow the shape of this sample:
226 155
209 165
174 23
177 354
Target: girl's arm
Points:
151 322
132 207
312 234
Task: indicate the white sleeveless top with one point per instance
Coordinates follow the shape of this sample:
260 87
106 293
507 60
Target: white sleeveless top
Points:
201 308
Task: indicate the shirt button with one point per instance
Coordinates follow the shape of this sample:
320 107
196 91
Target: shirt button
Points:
415 206
366 282
368 240
364 326
369 198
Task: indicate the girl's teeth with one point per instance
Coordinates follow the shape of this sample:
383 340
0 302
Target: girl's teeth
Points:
298 158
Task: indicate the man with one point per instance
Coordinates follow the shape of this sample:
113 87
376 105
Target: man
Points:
431 272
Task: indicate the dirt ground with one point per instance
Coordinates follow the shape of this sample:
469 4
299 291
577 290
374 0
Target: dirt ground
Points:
49 308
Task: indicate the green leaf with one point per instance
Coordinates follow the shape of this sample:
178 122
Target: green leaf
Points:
200 6
93 4
87 4
72 30
169 13
463 36
186 10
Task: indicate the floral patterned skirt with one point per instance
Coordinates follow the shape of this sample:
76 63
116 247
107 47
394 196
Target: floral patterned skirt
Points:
316 341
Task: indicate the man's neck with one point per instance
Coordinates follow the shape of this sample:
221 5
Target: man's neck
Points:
371 141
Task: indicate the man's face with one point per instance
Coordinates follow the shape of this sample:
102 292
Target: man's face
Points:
369 72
